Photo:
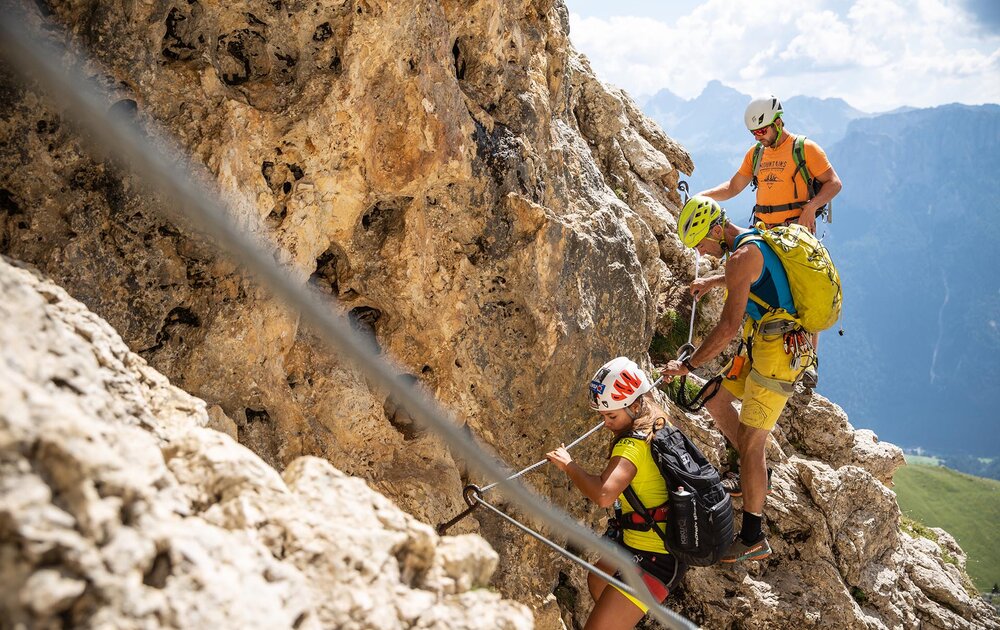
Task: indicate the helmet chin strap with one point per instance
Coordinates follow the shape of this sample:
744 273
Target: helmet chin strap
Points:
723 244
628 409
781 130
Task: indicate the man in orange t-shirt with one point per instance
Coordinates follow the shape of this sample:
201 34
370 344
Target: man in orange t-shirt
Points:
782 192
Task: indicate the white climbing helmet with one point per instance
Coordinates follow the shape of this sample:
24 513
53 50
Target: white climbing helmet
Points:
762 111
617 385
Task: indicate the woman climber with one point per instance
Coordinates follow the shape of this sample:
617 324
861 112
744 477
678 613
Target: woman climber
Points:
619 392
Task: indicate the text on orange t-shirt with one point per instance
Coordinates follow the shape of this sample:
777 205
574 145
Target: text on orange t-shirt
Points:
778 181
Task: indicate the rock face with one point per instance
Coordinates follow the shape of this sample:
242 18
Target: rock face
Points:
119 509
451 172
454 177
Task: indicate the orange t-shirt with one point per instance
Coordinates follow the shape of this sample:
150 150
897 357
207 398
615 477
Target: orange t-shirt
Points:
778 180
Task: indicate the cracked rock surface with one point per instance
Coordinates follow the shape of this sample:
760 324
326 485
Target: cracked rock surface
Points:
120 510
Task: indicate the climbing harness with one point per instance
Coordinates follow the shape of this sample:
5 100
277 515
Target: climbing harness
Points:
774 215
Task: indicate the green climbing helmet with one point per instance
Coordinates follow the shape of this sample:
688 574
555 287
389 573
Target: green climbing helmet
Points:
697 217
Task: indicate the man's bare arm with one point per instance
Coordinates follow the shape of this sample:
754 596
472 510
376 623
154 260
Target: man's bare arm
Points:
728 190
742 270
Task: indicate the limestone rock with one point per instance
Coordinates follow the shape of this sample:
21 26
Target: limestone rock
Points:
120 510
218 420
817 427
452 174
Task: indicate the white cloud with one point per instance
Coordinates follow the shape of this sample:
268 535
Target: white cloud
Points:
826 42
876 54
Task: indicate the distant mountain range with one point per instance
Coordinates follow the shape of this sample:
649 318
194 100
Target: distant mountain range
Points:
914 234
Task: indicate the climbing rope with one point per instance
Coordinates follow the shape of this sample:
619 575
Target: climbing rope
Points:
158 162
711 387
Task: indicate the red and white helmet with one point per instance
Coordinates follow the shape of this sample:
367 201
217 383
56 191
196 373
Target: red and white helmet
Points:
617 385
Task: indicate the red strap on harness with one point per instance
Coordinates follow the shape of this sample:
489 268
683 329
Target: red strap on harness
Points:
659 515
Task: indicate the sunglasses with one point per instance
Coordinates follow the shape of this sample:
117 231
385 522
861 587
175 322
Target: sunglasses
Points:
760 133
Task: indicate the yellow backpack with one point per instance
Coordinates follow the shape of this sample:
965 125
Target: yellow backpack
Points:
812 276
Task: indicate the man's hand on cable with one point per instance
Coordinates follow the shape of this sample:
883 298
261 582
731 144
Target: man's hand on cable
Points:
675 368
701 286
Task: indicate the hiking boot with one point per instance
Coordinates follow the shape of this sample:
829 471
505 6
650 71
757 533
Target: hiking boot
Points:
739 551
732 484
810 377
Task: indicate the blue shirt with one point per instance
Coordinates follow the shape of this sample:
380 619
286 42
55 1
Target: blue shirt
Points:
772 283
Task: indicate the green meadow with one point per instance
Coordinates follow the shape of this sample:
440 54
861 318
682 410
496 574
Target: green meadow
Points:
967 507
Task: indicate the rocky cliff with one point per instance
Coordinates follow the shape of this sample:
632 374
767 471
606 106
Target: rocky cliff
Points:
454 177
121 508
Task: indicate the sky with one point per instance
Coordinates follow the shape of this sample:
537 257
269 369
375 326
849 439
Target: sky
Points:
875 54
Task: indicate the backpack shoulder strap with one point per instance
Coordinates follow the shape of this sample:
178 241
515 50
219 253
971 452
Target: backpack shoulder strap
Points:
757 299
750 238
637 435
799 158
757 152
634 500
760 302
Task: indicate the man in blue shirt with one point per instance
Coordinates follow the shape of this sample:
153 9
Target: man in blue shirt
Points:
763 373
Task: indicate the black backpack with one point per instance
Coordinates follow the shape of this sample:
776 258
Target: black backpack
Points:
699 522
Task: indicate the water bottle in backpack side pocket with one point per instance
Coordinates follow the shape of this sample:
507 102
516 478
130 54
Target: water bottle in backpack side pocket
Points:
684 518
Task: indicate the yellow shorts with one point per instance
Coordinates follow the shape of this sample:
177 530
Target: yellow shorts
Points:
765 383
